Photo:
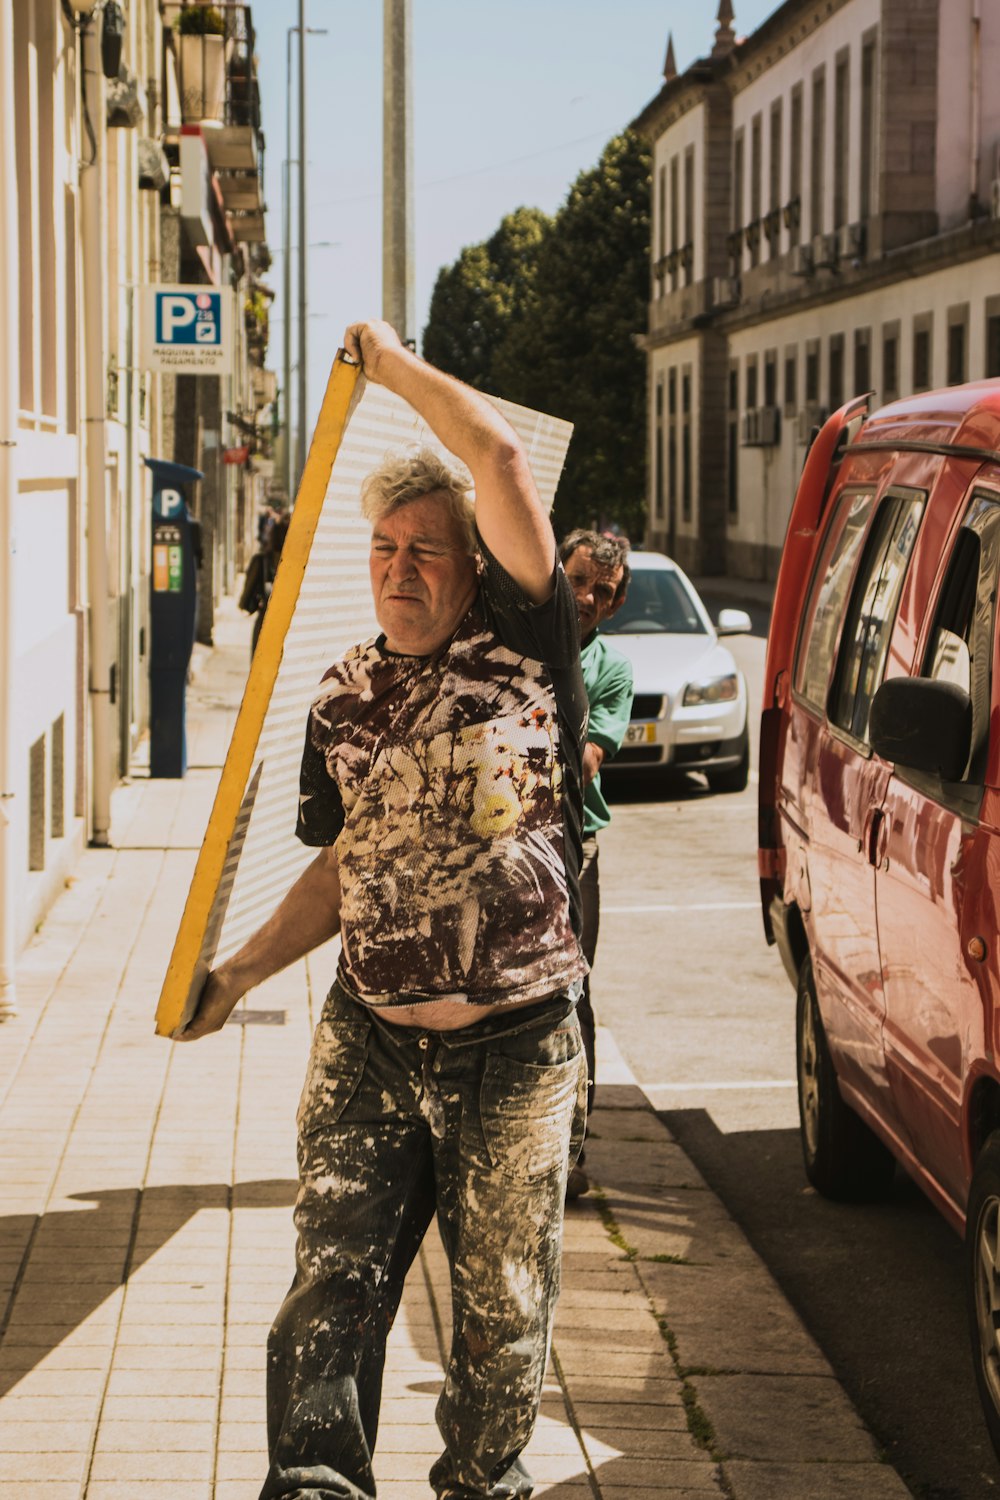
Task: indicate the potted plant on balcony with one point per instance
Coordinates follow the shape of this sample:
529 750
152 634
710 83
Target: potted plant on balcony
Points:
201 62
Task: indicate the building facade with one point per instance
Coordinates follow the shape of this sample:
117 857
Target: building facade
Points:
94 208
826 217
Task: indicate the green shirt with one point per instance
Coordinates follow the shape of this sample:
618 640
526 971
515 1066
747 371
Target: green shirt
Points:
607 676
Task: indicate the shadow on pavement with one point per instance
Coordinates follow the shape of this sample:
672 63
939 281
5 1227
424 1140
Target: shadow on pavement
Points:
881 1289
106 1241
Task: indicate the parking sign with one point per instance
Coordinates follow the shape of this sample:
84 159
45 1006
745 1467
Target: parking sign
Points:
187 330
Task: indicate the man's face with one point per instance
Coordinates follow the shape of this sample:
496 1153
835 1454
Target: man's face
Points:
595 587
423 579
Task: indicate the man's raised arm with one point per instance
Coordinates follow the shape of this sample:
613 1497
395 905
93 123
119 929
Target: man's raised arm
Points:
509 515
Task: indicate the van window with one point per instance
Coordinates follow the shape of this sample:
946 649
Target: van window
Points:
872 612
831 582
960 645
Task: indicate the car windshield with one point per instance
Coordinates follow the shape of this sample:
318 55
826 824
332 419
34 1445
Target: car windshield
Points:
657 603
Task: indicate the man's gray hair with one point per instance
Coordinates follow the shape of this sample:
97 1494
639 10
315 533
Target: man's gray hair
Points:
607 552
404 477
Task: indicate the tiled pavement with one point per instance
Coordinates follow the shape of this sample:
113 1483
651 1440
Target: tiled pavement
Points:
145 1237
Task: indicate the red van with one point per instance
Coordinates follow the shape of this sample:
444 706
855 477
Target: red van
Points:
879 827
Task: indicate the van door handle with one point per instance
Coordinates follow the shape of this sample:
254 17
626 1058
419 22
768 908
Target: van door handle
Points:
873 839
877 837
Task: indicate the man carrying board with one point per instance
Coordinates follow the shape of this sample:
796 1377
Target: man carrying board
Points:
442 784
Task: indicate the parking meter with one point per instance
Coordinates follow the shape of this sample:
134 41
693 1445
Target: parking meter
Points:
173 607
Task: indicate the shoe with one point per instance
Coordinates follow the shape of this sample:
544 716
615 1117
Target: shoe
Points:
577 1184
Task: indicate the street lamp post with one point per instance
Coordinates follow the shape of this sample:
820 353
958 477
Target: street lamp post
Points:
301 451
288 163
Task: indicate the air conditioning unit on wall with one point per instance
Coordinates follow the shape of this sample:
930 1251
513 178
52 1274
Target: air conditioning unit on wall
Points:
851 242
802 260
824 251
761 427
811 417
725 291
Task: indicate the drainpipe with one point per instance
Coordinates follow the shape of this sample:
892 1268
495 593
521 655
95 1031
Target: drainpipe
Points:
976 134
11 875
94 272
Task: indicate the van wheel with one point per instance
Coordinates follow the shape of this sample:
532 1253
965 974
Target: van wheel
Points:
843 1158
982 1251
735 778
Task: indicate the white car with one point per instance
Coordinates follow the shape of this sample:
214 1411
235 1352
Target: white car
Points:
690 707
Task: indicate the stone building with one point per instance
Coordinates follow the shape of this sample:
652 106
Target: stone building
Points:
826 217
94 209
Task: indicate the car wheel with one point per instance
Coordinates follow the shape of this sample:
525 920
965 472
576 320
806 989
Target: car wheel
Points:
843 1158
982 1249
734 778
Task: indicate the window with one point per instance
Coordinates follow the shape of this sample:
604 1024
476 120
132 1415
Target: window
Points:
795 166
890 361
658 454
774 196
872 612
657 603
662 217
756 162
922 353
751 381
958 340
992 369
867 142
733 443
738 181
960 645
841 137
812 372
771 377
862 361
686 442
36 805
57 780
689 215
836 370
817 183
831 581
674 216
791 382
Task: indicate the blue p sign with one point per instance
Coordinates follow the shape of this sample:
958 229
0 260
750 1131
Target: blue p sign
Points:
189 318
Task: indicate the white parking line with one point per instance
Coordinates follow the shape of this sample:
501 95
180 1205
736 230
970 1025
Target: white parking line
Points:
710 1088
683 906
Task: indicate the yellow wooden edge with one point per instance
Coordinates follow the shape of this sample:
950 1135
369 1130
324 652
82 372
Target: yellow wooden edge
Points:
331 424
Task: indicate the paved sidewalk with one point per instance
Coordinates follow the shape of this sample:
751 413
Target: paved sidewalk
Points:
146 1238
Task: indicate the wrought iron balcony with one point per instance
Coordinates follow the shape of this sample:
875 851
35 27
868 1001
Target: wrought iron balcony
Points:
212 82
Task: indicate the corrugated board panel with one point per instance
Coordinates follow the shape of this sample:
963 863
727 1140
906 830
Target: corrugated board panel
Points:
333 610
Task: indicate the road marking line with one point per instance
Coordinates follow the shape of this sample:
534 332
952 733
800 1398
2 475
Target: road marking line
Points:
706 1088
683 906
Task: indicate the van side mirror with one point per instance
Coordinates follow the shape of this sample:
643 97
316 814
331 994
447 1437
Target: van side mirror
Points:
923 725
734 622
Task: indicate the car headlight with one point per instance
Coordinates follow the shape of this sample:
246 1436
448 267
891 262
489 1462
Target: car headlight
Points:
714 690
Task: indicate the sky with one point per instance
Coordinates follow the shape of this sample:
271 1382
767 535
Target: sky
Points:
510 103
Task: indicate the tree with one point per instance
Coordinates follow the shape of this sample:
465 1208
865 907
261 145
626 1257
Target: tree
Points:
569 347
475 299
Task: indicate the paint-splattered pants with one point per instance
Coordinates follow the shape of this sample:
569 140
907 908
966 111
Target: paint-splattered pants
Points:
479 1124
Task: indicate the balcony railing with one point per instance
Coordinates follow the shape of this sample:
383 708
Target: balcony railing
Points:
212 50
216 70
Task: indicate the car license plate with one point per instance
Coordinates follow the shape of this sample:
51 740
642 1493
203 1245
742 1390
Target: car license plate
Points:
640 734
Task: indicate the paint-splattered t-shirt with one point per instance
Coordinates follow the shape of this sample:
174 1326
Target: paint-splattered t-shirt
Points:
452 787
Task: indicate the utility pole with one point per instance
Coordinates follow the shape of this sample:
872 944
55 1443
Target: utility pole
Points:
303 240
286 182
398 296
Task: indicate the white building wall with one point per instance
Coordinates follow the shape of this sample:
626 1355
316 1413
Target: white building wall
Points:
768 476
684 360
687 133
968 128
